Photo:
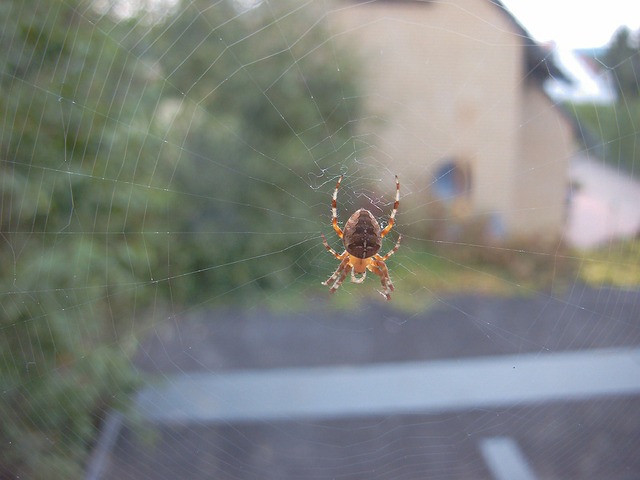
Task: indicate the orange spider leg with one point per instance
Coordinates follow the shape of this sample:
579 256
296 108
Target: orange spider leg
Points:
392 217
334 209
391 252
331 250
380 269
335 280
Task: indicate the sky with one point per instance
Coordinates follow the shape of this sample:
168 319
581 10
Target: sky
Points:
575 23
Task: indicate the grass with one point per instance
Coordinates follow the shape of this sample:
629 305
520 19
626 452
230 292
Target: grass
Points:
617 265
421 277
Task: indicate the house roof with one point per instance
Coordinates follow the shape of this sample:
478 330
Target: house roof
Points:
539 61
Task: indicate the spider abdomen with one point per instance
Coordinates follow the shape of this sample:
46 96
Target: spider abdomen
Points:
362 234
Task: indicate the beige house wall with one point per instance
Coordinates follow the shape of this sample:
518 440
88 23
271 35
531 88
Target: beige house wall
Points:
444 80
546 146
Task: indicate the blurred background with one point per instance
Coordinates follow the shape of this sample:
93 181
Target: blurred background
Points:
166 173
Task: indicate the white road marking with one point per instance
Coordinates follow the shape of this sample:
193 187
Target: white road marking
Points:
374 389
104 446
505 459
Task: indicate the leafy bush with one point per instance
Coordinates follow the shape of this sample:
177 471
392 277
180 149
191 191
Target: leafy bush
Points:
252 105
609 132
77 185
112 136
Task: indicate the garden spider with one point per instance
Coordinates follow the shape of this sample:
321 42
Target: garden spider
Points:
362 238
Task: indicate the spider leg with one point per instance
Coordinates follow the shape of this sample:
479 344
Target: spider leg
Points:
335 280
331 250
381 270
391 252
392 217
334 276
338 282
334 209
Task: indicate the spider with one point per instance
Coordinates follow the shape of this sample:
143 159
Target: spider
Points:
362 238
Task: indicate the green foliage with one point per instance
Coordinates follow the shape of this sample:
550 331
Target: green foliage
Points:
611 131
623 58
201 127
259 97
79 176
617 264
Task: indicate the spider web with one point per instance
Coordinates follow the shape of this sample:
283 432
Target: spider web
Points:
167 169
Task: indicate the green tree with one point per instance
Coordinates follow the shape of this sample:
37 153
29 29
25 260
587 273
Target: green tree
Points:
623 60
611 130
114 130
255 99
81 182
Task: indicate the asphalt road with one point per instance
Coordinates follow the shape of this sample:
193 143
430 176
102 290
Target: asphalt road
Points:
536 387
